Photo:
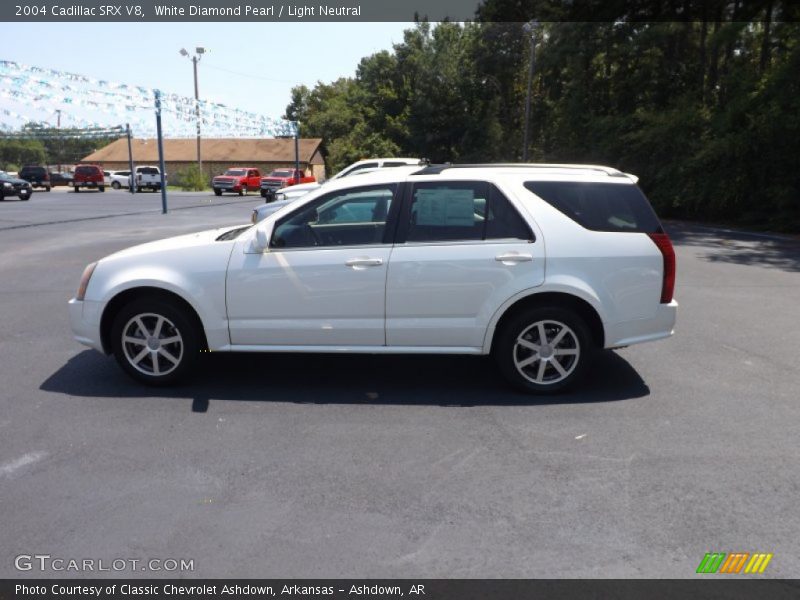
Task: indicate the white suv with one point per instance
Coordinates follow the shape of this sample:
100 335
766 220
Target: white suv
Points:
538 265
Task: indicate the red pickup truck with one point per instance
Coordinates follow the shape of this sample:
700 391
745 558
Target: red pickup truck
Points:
88 176
281 178
238 180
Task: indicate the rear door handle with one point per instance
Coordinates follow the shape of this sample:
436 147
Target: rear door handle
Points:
361 262
512 258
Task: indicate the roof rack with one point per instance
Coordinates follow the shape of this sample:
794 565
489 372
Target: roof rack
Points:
437 169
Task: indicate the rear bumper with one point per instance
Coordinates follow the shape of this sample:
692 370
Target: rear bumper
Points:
659 326
84 317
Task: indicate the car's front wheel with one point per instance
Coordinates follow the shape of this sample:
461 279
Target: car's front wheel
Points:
544 350
154 341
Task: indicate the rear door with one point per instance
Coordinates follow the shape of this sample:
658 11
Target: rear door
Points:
462 250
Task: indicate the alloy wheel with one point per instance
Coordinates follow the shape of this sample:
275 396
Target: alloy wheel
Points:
152 344
546 352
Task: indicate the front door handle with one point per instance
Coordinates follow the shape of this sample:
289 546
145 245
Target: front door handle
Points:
512 258
364 261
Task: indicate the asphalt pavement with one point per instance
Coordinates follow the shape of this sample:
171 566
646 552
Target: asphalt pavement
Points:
380 466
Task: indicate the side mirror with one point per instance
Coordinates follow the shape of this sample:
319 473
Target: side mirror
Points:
263 236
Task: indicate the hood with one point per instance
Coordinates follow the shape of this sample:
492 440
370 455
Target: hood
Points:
231 177
201 238
13 180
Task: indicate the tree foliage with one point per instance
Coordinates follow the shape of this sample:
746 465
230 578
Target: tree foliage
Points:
703 103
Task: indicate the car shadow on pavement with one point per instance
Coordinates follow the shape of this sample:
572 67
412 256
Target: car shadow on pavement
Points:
727 246
343 379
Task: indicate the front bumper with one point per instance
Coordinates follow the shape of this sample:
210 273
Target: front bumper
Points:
84 317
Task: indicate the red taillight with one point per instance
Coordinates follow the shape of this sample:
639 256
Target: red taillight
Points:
664 245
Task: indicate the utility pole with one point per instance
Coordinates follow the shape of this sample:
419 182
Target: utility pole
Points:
132 180
161 165
196 59
60 141
297 151
529 27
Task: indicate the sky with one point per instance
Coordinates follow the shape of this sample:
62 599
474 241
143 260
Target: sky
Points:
247 66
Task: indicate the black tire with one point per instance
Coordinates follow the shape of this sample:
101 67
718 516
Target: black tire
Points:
47 189
77 189
102 188
217 192
242 191
263 194
573 351
176 323
116 185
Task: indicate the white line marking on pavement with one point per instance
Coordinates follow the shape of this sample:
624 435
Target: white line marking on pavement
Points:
27 459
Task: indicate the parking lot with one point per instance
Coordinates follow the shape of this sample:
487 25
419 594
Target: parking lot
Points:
379 466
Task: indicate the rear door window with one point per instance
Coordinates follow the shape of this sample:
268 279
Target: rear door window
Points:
617 207
462 211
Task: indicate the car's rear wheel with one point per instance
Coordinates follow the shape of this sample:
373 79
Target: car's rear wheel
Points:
544 350
154 341
102 188
47 189
242 191
77 189
116 185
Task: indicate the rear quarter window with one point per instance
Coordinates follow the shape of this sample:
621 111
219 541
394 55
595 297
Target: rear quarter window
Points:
616 207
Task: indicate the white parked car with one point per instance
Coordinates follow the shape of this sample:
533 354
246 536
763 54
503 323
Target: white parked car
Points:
373 164
282 198
538 265
120 179
286 195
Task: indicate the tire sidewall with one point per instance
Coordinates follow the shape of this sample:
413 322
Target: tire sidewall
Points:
503 350
185 326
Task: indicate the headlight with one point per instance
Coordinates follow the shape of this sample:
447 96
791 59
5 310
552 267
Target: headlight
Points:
7 185
87 275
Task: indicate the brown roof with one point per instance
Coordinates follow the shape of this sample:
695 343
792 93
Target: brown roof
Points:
239 150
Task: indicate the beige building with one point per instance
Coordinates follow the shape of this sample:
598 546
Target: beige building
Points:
217 154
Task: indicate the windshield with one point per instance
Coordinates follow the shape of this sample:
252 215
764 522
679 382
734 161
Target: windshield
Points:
235 172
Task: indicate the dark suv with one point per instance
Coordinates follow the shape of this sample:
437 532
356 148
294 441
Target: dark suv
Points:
13 186
88 176
36 176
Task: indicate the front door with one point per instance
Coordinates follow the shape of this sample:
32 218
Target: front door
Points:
323 280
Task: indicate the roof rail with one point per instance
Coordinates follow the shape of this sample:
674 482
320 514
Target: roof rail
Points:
437 169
